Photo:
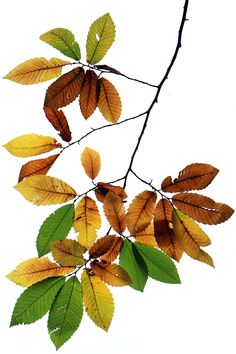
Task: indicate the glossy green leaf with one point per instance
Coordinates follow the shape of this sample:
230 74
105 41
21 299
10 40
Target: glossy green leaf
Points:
160 267
63 40
66 312
134 265
55 227
36 301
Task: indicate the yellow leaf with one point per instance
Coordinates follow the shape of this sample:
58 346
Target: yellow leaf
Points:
34 270
109 102
87 221
98 300
191 237
36 70
31 144
147 237
115 212
112 274
45 190
91 162
68 252
140 212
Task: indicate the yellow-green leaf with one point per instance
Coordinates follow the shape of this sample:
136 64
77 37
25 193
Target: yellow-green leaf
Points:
30 145
68 252
100 37
91 162
36 70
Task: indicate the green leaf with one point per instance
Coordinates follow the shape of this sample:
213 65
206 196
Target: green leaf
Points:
66 312
36 301
160 267
55 227
134 265
100 37
63 40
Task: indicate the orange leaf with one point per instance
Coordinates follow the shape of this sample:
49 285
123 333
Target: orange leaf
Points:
37 167
195 176
58 120
102 246
147 237
91 162
111 274
109 101
140 212
115 212
114 251
89 94
104 188
163 229
202 209
64 90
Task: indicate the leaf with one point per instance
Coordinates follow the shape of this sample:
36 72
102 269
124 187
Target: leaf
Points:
91 162
194 176
109 102
114 251
134 265
55 227
104 188
36 301
34 270
64 90
63 40
98 300
66 312
102 246
112 274
31 144
108 68
140 212
115 212
45 190
160 267
68 252
37 167
146 237
87 221
36 70
89 94
191 237
100 37
164 233
201 208
58 120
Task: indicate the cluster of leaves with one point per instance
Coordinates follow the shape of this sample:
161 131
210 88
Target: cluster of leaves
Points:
142 238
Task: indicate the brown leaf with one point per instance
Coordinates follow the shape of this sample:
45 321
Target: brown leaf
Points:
89 94
37 167
163 229
115 212
112 274
108 68
109 102
104 188
202 209
195 176
64 90
147 237
58 120
114 251
102 246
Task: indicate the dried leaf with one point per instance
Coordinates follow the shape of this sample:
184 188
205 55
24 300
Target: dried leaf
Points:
58 120
146 237
115 212
112 274
109 102
114 251
68 252
104 188
89 94
37 167
108 68
102 246
91 162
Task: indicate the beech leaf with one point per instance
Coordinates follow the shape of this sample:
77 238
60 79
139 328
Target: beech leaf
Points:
115 212
58 120
109 102
103 188
89 94
37 167
146 237
112 274
91 162
68 252
102 246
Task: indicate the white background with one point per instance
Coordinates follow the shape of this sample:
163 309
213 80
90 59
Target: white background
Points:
193 122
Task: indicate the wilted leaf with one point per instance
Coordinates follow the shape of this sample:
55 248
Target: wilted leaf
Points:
102 246
191 237
64 90
36 70
109 102
34 270
63 40
68 252
140 212
111 274
37 167
100 37
66 312
104 188
98 300
91 162
115 212
108 68
146 237
87 221
45 190
164 233
114 251
195 176
202 209
58 120
55 227
31 144
89 94
36 301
